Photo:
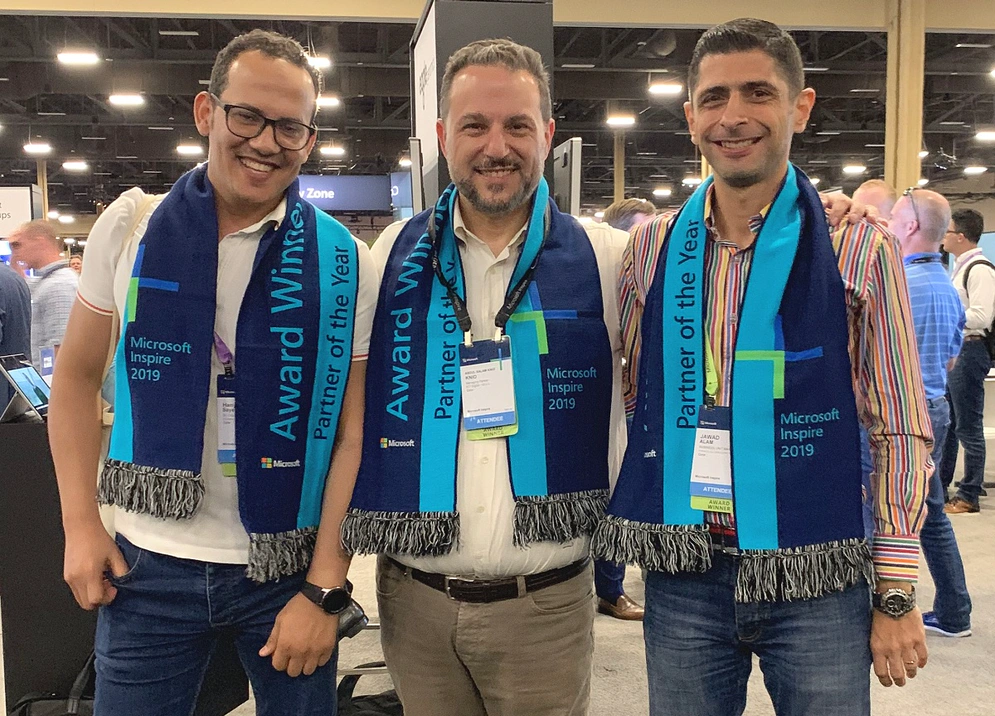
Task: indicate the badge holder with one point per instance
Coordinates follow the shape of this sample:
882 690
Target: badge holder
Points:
488 385
711 465
226 409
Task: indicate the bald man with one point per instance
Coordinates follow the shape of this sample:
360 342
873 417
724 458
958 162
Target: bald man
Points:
879 194
36 246
919 222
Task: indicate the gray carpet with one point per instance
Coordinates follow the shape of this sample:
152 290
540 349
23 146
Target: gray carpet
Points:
958 680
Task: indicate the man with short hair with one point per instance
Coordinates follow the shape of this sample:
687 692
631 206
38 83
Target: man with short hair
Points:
36 246
974 278
15 320
244 316
628 213
879 194
752 328
76 263
919 222
484 580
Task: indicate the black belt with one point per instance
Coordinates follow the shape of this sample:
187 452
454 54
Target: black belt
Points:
974 338
483 591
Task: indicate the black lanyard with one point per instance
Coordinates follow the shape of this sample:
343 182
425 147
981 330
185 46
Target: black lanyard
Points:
926 260
513 298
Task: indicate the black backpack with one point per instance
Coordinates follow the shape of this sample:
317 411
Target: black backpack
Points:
384 704
989 339
79 701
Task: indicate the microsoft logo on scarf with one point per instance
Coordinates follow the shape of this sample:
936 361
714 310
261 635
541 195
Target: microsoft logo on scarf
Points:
386 443
268 463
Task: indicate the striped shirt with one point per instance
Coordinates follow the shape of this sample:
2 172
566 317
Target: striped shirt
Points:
938 316
886 374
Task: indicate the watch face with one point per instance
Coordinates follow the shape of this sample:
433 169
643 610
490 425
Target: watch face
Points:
894 602
335 601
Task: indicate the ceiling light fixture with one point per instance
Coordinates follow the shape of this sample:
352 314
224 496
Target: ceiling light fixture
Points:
404 162
663 192
923 182
817 69
37 147
75 165
179 33
78 58
53 214
329 101
666 89
854 169
67 219
864 90
951 123
319 62
827 134
189 150
923 154
599 215
973 45
815 180
126 100
691 181
985 135
621 120
974 170
578 66
332 151
51 114
161 129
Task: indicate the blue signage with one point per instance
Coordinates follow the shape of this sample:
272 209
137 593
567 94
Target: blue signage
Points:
347 193
400 190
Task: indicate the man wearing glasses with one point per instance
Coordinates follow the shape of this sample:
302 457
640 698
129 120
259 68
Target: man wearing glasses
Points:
919 221
974 279
229 496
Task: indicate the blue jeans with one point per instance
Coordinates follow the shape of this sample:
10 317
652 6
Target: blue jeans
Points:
866 468
608 578
966 389
815 654
154 641
952 602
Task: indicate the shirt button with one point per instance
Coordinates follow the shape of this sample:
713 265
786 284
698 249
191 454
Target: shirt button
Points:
484 460
480 510
734 318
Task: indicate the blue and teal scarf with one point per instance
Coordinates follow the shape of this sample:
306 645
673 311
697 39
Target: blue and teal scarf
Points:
795 447
405 497
294 338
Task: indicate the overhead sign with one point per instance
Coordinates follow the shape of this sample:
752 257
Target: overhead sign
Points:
347 193
15 208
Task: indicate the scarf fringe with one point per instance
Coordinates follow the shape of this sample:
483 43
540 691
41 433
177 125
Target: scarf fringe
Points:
418 534
786 575
659 548
153 491
558 518
280 554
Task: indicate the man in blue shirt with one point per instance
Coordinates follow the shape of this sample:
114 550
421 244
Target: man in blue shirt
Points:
15 320
919 221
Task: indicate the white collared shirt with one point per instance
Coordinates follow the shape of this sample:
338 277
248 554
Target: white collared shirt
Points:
215 532
483 482
979 297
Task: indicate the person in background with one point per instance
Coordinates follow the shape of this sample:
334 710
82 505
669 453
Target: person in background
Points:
610 576
920 219
740 489
879 194
76 263
974 278
35 245
15 320
627 213
233 452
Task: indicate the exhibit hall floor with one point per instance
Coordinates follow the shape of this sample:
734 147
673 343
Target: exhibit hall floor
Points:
958 680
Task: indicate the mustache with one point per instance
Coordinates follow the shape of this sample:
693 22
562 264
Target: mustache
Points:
499 164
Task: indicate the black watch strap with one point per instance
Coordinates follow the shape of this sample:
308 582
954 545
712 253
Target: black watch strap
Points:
333 601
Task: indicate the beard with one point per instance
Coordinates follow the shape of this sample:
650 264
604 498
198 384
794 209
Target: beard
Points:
742 180
468 189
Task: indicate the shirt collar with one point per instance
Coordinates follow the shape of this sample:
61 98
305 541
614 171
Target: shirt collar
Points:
45 271
464 235
275 217
921 255
756 221
967 256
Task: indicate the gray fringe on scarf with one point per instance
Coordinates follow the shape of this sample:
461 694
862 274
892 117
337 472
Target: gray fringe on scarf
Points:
416 533
785 575
280 554
558 518
166 494
659 548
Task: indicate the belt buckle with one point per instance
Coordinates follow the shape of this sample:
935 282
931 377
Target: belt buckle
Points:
447 580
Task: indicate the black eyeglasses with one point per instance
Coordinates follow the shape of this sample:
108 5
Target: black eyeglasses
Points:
912 200
247 123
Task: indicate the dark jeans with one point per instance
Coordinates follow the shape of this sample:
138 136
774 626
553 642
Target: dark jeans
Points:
815 653
866 467
155 639
952 603
966 391
608 578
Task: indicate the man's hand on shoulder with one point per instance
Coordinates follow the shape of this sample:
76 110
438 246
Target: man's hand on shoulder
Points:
839 206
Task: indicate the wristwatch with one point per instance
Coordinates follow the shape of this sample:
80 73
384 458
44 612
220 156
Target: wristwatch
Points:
333 601
894 602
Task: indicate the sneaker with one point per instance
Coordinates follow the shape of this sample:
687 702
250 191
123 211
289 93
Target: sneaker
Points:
930 622
960 506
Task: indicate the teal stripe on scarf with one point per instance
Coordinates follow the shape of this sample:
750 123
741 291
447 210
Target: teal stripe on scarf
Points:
528 458
122 443
336 293
758 373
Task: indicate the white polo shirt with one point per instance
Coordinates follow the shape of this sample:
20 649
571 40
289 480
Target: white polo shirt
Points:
215 532
483 481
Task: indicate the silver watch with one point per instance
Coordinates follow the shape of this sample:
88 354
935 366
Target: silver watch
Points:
895 603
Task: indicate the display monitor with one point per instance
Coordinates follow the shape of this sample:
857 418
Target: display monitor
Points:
28 386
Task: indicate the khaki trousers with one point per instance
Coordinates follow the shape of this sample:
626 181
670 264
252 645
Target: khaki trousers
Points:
529 656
